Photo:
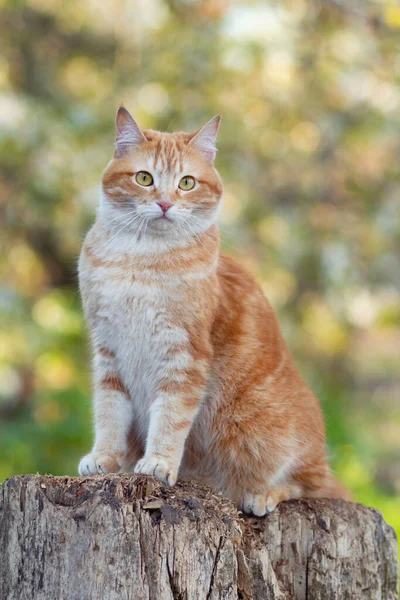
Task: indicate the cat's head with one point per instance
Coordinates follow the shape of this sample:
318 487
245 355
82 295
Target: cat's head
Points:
161 184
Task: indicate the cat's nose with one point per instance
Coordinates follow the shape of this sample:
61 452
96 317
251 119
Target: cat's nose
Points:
165 205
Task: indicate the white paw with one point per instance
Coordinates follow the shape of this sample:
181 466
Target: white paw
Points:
255 504
154 465
272 503
95 464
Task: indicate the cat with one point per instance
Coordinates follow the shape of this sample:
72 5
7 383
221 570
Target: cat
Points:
191 373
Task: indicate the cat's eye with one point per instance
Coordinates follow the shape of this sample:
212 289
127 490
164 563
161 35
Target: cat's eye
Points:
186 183
144 178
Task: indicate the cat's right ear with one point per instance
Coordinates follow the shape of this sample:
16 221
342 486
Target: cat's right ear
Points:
128 132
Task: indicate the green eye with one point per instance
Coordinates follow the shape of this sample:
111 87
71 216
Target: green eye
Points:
144 178
186 183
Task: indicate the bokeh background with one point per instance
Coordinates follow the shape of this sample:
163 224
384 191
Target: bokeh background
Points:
310 155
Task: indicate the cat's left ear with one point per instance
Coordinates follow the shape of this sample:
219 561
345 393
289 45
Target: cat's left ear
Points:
205 139
128 132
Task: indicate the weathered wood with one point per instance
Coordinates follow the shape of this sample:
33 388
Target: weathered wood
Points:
128 537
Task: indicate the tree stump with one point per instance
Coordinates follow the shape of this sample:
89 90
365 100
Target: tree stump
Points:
128 537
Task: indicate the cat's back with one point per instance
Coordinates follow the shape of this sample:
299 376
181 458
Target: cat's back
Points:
243 312
250 350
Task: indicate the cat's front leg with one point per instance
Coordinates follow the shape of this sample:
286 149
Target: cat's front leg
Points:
112 417
171 416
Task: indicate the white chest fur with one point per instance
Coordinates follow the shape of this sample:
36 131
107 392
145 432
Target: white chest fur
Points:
134 321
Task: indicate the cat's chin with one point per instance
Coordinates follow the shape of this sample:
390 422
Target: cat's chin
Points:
162 224
165 229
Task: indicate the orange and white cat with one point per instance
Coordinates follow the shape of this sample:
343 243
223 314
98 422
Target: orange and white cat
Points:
191 373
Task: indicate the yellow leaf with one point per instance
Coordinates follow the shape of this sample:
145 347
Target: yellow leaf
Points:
391 16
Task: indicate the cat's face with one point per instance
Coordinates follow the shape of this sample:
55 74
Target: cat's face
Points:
161 184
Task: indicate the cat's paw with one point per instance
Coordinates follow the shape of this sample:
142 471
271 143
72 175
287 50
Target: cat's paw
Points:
261 504
154 465
99 464
255 504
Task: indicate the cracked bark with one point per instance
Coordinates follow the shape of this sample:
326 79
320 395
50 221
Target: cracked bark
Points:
129 537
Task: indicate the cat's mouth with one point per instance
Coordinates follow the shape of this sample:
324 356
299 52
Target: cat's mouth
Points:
163 217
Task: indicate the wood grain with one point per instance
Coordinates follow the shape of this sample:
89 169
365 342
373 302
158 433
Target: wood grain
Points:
128 537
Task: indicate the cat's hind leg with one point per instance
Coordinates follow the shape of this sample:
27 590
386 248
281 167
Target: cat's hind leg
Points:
261 504
321 487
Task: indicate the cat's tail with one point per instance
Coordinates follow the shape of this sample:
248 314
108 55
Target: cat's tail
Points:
331 487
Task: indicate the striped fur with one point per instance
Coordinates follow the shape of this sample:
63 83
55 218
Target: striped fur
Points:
191 374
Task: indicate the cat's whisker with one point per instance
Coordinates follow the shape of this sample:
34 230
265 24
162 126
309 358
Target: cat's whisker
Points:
198 208
197 237
140 228
200 222
233 247
144 220
121 217
125 226
145 229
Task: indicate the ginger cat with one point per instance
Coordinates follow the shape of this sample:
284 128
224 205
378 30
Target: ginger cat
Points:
191 373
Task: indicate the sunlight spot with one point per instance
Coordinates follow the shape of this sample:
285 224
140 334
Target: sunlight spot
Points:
305 136
54 371
153 98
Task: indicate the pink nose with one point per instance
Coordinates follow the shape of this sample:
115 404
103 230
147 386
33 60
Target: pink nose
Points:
165 205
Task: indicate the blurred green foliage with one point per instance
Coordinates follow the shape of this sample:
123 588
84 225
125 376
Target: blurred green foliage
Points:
309 152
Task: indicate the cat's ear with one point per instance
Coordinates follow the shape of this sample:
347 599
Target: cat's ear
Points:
128 132
205 139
